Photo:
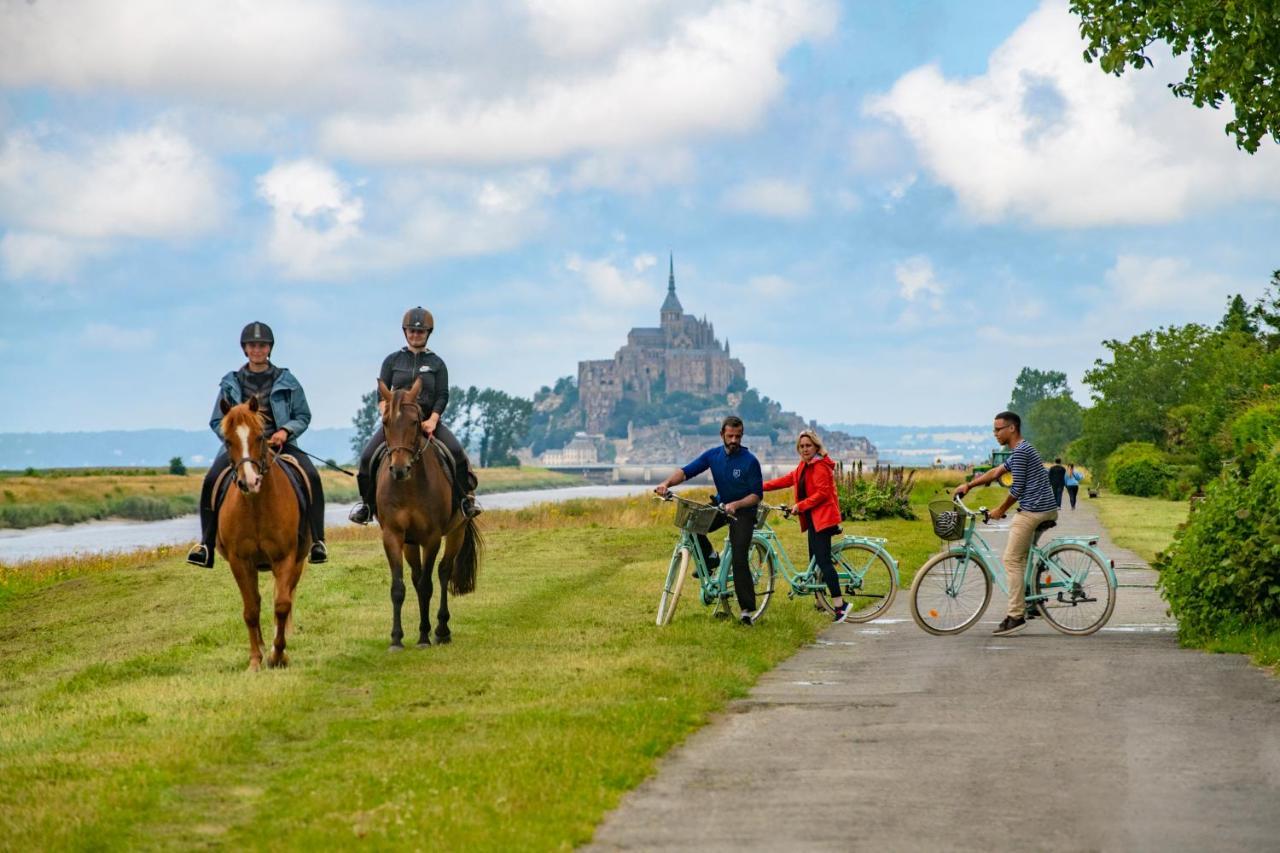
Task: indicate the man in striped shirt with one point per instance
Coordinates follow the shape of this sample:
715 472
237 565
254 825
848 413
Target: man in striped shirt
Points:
1036 505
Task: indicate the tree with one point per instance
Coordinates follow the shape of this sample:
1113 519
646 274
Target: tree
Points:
366 422
176 466
1239 318
1033 385
1266 314
464 414
1233 46
1055 422
503 421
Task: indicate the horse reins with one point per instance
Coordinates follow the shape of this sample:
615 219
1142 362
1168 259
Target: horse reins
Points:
420 446
262 463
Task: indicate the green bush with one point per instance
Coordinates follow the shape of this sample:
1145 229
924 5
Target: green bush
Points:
865 499
1138 468
1222 572
1254 434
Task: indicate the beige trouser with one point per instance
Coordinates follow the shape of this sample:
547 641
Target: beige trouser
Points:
1021 532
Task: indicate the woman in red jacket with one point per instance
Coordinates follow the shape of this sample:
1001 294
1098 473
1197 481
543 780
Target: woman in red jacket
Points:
819 510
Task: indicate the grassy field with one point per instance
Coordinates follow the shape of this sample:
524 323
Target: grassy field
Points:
131 723
66 496
1143 525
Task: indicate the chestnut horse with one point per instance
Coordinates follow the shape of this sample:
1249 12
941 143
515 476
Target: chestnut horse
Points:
259 527
416 511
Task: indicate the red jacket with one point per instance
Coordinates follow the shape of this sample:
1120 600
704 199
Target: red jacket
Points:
820 506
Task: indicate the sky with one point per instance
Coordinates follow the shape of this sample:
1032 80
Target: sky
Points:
888 209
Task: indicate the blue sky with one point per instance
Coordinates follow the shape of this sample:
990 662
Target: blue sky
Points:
888 209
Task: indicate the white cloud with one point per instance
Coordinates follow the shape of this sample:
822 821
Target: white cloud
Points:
149 183
609 285
25 255
592 28
917 282
1164 287
1042 136
107 336
770 197
715 71
640 263
323 229
637 172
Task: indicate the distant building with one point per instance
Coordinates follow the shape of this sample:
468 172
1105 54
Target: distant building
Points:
681 354
582 449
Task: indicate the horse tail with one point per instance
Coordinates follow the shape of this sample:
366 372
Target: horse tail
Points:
462 578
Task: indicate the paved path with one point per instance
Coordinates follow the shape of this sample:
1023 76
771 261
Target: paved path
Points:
881 737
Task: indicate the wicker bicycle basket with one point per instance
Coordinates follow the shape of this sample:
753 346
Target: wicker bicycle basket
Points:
695 518
948 522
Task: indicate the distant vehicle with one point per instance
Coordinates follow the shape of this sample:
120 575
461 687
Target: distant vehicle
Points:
998 457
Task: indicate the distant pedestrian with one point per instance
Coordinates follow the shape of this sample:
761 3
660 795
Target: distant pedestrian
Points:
1057 479
1073 480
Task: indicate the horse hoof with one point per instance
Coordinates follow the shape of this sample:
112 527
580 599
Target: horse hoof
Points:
424 644
278 663
395 647
444 639
255 665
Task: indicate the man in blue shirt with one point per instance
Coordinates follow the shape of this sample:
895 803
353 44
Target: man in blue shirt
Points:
1036 505
739 488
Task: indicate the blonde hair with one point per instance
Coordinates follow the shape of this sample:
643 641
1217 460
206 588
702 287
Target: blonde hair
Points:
812 436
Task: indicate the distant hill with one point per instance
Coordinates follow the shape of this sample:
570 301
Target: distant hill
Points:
149 447
921 445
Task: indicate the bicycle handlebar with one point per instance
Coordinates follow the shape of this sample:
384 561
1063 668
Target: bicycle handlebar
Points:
672 496
958 500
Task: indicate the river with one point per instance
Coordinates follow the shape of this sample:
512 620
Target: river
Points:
97 537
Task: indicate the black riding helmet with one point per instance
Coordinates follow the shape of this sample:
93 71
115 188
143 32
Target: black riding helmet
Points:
257 333
418 318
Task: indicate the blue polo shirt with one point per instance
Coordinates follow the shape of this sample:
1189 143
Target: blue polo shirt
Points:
735 476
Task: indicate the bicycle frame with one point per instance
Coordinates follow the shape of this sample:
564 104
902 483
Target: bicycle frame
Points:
1037 558
810 580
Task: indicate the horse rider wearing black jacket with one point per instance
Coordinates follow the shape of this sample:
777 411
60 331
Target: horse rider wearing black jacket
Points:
282 405
399 370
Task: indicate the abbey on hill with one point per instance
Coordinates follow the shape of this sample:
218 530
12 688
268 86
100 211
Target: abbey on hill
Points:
661 398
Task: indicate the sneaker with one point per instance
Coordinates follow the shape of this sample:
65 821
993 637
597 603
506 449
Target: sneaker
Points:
360 514
748 619
1009 626
713 560
200 556
319 553
841 613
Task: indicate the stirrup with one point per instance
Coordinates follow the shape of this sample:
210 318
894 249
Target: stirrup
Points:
319 553
469 506
360 514
200 556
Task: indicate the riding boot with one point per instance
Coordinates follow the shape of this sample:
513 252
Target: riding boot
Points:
468 500
203 553
362 513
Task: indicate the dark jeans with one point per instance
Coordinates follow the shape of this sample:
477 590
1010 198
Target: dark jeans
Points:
740 541
1072 491
209 519
1057 494
820 550
466 482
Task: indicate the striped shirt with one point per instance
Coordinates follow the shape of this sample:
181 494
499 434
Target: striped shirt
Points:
1030 486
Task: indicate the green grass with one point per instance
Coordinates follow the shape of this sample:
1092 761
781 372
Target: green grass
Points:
1143 525
131 723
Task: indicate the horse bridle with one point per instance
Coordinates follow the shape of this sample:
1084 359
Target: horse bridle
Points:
262 463
420 445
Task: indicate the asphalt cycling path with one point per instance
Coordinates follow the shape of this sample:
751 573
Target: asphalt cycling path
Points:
881 737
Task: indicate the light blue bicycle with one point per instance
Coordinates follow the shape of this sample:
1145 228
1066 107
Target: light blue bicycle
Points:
1070 582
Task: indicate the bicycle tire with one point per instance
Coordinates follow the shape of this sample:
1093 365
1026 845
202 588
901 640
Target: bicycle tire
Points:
931 585
1072 617
676 573
764 571
877 575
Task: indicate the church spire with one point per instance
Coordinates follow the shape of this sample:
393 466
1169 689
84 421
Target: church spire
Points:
671 310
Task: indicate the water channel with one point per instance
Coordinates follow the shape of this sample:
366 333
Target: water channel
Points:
96 537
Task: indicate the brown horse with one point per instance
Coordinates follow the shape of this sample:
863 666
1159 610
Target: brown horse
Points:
416 511
259 527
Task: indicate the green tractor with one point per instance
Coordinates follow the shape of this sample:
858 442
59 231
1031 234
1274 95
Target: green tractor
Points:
998 457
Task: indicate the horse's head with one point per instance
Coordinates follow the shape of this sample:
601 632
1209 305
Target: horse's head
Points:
402 424
246 443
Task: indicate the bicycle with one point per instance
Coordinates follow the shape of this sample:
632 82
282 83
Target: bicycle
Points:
865 568
1070 582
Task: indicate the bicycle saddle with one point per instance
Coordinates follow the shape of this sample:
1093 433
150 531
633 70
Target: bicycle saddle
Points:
1045 525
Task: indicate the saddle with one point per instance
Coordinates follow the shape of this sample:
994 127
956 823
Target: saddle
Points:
297 478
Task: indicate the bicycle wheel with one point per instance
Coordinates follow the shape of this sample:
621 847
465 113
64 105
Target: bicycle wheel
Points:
866 580
763 572
1081 594
949 594
676 573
